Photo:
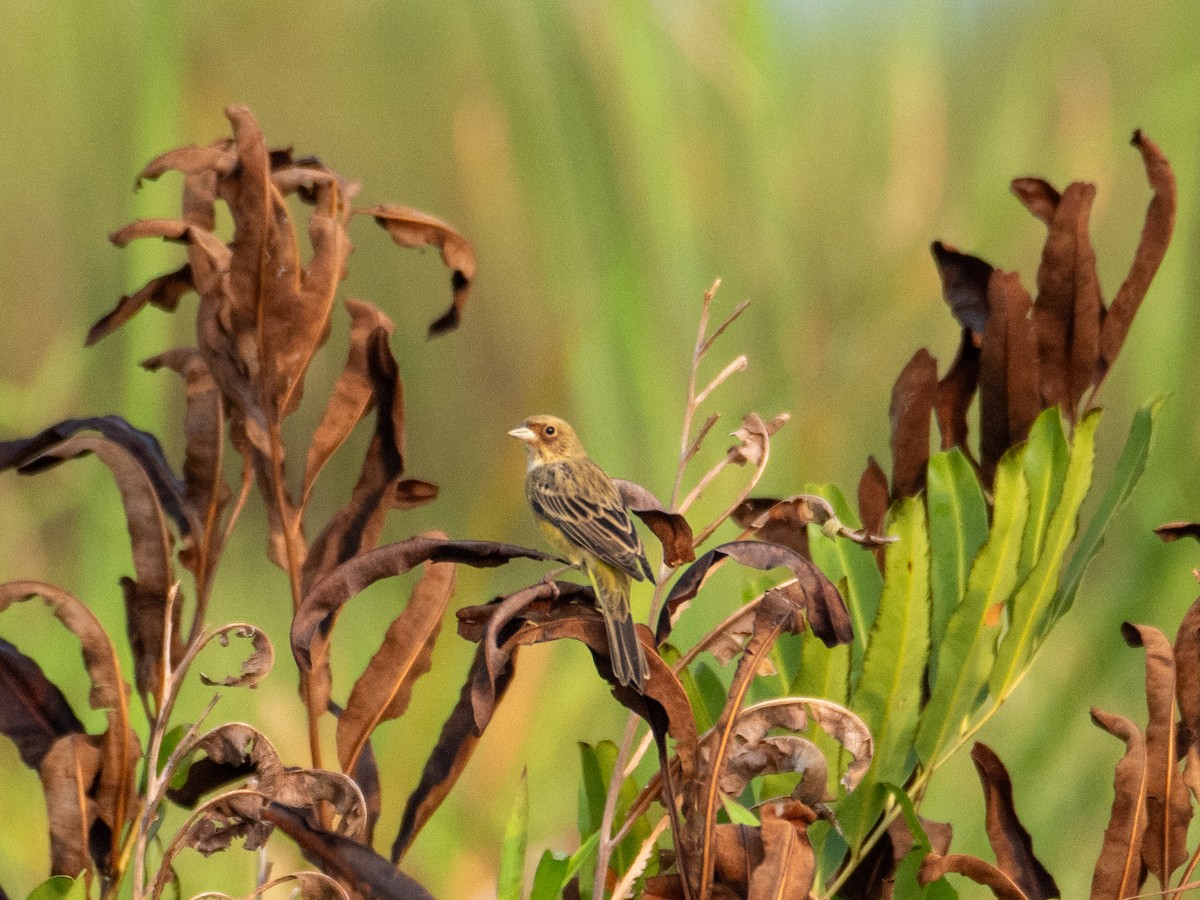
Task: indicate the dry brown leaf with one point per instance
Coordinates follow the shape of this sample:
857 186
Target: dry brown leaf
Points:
1152 247
956 390
164 292
936 866
1187 677
1008 383
964 285
34 714
671 529
383 690
1119 866
67 771
353 393
1173 531
913 399
1009 839
1168 806
1039 196
873 499
413 228
455 745
789 865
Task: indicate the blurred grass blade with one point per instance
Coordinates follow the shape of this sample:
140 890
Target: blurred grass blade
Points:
1030 607
965 657
958 526
512 851
1125 477
888 694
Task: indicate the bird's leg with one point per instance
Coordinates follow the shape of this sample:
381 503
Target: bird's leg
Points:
551 577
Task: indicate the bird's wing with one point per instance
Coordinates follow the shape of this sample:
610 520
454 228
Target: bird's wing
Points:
581 501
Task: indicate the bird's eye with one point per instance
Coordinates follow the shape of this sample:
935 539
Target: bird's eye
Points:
549 431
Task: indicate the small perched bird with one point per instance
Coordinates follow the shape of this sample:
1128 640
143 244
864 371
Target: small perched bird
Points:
584 518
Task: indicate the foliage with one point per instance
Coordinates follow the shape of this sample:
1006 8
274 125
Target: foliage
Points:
802 772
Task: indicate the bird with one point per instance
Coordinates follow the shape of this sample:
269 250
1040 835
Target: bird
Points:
582 515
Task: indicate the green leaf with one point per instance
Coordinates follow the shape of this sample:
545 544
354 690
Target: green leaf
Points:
712 692
738 814
1128 472
556 869
671 655
1046 456
888 694
840 558
965 657
551 875
958 526
60 887
512 852
593 785
1031 604
598 762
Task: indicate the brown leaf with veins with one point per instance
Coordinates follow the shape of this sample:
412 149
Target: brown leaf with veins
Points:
383 690
1009 840
789 864
1168 806
67 771
1118 871
412 228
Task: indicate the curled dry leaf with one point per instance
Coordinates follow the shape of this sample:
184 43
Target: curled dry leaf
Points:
671 529
232 752
34 714
773 755
817 598
1152 247
1187 677
795 714
913 399
785 522
752 438
204 433
1009 839
413 228
255 667
68 771
353 393
1119 866
164 292
1168 806
936 866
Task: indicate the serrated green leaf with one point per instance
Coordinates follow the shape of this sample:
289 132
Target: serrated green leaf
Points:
888 694
1046 458
966 655
1031 603
511 879
958 526
1125 477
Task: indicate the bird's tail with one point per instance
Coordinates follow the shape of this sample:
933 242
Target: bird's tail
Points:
624 651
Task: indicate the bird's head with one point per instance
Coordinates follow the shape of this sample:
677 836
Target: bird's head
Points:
547 439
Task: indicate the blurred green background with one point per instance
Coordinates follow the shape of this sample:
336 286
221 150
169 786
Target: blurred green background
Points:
609 160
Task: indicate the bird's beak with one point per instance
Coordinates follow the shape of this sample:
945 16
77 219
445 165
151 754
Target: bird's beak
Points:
523 434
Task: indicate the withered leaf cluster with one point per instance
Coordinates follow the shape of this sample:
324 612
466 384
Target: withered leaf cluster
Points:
1021 355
